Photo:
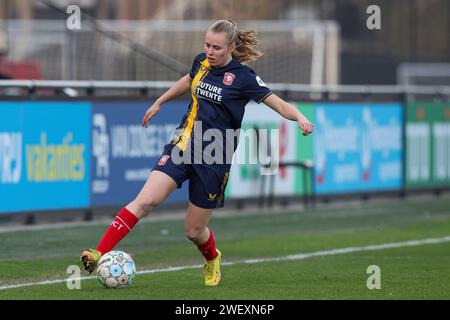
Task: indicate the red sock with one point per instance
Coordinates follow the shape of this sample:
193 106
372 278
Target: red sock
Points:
119 228
208 249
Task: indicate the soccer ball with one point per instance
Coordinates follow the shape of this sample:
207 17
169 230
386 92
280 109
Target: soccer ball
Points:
116 269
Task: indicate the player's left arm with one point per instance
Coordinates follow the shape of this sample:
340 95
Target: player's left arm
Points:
289 112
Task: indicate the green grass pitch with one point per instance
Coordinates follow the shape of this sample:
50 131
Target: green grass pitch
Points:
407 272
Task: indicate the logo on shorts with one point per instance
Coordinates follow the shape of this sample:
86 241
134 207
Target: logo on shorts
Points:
163 160
212 197
228 78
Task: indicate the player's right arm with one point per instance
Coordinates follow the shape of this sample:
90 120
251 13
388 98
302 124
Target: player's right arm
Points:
181 87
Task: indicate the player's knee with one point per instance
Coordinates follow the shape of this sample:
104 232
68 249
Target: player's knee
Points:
148 203
193 232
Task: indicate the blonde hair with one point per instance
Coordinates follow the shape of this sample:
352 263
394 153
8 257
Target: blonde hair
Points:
246 42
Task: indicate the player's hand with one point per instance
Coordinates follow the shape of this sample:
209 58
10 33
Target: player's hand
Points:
305 125
154 109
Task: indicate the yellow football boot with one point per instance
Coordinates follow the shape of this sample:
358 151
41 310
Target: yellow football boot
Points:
90 258
212 271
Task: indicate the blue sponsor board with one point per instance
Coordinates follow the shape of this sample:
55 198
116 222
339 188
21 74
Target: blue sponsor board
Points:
357 147
44 155
123 152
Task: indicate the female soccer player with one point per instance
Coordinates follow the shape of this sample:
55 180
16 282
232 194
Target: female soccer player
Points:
220 85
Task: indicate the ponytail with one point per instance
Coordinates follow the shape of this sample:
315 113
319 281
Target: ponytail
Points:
246 47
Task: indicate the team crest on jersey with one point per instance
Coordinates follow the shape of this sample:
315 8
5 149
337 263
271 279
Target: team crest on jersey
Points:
163 160
228 78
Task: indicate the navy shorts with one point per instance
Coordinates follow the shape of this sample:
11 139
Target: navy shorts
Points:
206 185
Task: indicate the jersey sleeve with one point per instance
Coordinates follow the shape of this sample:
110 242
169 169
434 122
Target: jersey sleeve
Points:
255 89
196 65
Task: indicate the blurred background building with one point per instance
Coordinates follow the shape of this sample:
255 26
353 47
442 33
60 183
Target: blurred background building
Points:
305 41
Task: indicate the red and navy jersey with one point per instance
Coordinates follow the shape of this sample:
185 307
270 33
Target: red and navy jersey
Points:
218 100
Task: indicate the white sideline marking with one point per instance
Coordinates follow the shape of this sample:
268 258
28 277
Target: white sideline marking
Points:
299 256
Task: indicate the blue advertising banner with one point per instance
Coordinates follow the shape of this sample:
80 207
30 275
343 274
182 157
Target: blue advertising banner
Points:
44 155
123 152
357 147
